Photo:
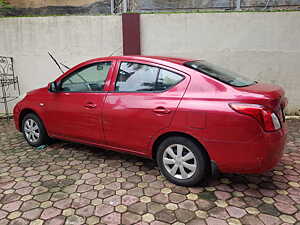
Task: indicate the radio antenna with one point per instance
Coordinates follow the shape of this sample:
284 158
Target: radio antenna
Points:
55 62
64 65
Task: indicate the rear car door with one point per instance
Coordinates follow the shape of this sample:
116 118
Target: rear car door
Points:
75 111
143 102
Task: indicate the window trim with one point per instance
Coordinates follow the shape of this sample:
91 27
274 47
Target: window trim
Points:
157 77
85 66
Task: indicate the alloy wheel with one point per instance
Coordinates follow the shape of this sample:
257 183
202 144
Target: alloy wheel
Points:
179 161
31 130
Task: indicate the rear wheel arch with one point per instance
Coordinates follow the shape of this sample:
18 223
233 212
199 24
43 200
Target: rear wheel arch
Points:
182 159
164 136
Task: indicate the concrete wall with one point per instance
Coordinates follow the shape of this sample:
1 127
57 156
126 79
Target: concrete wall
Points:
72 39
262 46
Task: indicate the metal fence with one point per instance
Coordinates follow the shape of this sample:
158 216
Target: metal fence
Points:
119 6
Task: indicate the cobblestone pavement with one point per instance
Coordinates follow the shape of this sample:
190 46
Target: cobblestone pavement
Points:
75 184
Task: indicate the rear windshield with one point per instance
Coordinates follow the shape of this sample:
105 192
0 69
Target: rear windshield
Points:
219 73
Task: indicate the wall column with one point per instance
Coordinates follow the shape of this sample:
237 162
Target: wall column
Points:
131 34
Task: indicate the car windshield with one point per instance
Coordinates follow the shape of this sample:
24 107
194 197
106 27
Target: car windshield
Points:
219 73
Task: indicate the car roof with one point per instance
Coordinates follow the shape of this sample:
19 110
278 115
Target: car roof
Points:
165 58
175 60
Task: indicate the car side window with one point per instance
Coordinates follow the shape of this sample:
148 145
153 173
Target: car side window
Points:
87 79
136 77
167 79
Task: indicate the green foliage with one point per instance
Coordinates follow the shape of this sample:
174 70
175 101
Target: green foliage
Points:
5 5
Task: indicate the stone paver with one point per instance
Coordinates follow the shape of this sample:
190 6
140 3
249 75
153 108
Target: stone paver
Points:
69 183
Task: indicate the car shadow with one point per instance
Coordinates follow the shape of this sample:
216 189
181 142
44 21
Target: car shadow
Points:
230 182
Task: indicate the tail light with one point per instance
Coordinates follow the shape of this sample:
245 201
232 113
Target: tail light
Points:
266 117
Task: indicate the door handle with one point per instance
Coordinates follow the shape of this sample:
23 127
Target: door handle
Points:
161 110
90 105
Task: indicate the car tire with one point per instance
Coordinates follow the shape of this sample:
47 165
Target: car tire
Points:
182 161
33 130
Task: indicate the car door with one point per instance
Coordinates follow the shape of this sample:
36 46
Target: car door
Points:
144 101
76 109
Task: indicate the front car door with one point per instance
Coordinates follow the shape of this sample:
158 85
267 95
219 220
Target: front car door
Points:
144 101
76 109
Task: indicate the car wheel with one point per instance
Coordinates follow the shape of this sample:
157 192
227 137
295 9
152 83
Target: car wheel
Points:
33 130
182 161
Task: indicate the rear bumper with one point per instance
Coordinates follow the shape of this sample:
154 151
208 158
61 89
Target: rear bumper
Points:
257 156
274 148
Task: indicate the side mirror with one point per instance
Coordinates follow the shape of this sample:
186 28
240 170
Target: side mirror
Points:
52 87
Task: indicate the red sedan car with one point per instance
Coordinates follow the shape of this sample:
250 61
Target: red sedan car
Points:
186 114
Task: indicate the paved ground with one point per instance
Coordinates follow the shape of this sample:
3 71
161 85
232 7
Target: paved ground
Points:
74 184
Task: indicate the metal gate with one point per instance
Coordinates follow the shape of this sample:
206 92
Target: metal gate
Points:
9 84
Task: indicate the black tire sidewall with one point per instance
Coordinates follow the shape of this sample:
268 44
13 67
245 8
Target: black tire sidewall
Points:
201 161
43 134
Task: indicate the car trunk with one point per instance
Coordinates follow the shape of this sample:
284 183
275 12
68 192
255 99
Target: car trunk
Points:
272 96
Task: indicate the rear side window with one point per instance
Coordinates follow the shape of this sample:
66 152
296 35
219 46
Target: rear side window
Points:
221 74
167 79
136 77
